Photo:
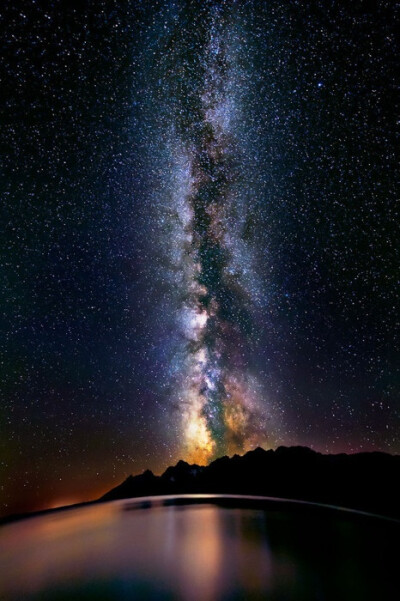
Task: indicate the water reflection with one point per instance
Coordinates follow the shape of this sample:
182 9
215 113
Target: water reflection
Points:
199 548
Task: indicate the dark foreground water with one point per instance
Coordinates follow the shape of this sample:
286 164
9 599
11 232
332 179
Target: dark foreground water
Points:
197 548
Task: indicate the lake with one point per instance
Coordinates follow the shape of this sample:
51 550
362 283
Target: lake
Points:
199 547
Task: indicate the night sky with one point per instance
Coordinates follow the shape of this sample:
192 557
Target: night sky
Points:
199 235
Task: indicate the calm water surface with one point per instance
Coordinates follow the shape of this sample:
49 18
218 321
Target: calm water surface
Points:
199 549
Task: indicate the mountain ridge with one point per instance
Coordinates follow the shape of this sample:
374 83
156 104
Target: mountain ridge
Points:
364 481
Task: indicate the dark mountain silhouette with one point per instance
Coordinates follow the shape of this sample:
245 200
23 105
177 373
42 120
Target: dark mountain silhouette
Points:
363 481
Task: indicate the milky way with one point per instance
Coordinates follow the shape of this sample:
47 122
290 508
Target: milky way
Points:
218 393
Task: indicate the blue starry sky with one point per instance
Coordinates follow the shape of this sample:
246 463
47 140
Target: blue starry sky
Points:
199 235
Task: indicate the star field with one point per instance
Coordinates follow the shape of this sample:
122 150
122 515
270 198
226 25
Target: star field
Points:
200 240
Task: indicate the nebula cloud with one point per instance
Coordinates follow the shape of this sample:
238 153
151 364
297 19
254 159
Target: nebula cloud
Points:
220 402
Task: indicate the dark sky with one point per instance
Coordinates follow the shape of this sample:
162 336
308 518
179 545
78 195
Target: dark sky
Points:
199 236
